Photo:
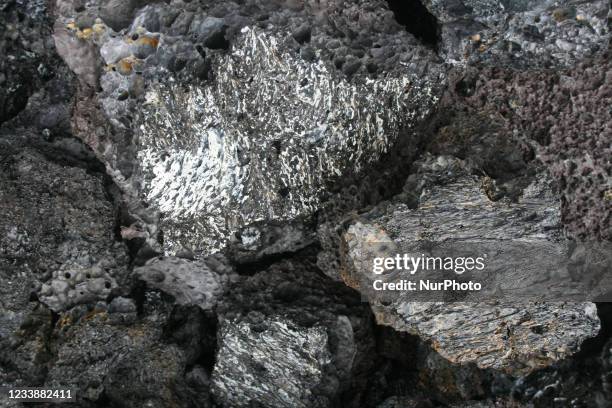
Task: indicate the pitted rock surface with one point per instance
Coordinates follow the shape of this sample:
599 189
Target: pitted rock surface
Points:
265 130
521 34
216 140
189 282
58 232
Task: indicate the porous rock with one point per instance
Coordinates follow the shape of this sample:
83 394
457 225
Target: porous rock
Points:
198 147
522 34
67 260
292 303
189 282
561 114
330 96
56 229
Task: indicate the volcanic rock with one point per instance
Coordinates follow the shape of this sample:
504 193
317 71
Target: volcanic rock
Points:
498 332
204 152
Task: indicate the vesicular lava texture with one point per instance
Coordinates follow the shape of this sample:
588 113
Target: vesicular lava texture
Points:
185 185
206 152
203 146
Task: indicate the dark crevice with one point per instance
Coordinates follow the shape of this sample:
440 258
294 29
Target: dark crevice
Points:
261 264
103 400
594 346
113 194
77 155
418 20
139 295
16 103
195 331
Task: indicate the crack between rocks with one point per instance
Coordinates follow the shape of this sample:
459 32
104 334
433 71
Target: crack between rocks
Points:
417 20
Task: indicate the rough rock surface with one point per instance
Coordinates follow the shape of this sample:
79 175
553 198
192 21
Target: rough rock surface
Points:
562 114
273 312
498 333
189 282
534 34
27 62
122 362
265 130
285 364
198 130
70 257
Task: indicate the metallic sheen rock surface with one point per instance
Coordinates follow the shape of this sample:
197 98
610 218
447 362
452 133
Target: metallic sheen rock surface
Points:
207 153
285 364
257 140
290 303
139 137
499 333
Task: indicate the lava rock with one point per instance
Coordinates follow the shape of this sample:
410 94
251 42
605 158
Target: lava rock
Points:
29 58
541 96
87 264
495 332
302 33
495 33
187 97
261 241
117 14
209 31
279 364
189 282
288 303
115 50
142 373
